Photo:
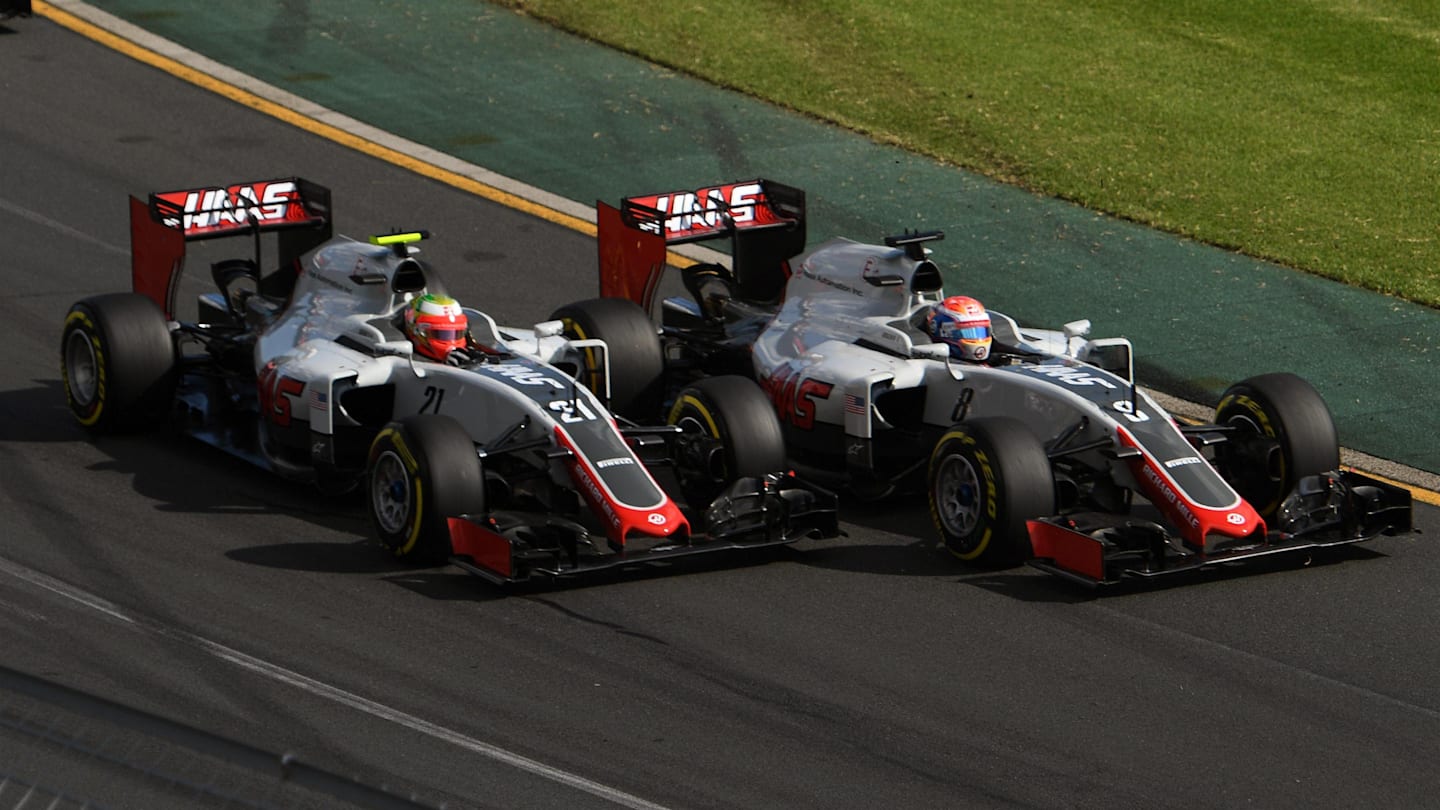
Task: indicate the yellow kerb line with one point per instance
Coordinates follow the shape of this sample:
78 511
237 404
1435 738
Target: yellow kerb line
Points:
1421 495
331 133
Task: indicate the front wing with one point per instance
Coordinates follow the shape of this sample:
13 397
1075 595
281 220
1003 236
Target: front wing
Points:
1335 509
752 513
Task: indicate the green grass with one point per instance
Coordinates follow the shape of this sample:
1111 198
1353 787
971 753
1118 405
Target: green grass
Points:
1302 131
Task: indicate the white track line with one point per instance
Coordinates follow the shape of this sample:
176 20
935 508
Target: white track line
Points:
326 691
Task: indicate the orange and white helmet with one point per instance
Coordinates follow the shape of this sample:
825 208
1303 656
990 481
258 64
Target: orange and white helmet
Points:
962 322
436 325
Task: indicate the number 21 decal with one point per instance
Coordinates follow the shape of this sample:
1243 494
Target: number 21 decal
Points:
434 395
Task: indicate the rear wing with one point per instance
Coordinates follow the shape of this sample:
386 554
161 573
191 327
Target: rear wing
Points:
160 227
764 220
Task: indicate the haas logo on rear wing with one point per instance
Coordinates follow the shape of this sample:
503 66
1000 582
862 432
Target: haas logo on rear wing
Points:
689 216
161 226
265 204
765 221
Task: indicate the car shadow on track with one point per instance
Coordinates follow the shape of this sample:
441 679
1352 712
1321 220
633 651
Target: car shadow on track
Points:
900 541
183 476
37 414
438 582
925 559
917 552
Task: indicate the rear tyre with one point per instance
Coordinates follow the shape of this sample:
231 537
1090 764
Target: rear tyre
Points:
1283 431
117 360
729 430
637 361
422 471
987 477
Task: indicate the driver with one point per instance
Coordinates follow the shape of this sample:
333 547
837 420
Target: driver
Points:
436 325
963 323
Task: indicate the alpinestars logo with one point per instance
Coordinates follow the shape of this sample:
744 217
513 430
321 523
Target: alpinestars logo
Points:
212 210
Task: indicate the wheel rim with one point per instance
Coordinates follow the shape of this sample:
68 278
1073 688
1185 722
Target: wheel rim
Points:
703 457
1244 423
81 368
390 493
957 496
1258 471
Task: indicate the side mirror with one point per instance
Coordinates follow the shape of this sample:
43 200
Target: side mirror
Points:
930 351
1114 355
546 329
395 348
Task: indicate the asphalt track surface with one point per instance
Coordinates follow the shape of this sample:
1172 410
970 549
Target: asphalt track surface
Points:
866 672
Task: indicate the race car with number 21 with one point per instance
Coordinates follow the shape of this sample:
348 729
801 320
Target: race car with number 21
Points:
347 363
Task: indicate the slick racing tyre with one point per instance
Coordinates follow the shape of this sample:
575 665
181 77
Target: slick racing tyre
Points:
117 360
986 478
637 362
1283 432
422 471
729 430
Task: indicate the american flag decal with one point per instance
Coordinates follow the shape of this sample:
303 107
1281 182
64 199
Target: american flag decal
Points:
854 404
319 400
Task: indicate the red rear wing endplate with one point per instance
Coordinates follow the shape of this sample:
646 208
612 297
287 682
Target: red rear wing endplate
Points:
631 259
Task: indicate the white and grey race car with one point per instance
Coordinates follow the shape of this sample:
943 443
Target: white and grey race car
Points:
1047 452
495 460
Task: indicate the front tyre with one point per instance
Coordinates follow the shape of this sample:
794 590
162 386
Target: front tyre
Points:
637 361
1282 432
987 477
422 471
117 360
729 430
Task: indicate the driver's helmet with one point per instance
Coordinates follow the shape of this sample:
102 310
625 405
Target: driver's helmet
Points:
963 323
436 325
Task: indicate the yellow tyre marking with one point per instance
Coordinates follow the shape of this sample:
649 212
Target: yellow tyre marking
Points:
1421 495
966 439
591 361
1255 408
92 332
979 549
1266 427
397 442
691 401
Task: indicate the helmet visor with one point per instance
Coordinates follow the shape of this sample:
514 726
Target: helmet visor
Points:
955 331
440 332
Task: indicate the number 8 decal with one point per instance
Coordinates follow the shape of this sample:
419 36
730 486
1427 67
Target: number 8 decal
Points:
1131 412
567 410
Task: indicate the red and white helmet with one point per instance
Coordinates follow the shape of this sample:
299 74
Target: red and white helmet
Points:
436 325
962 322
